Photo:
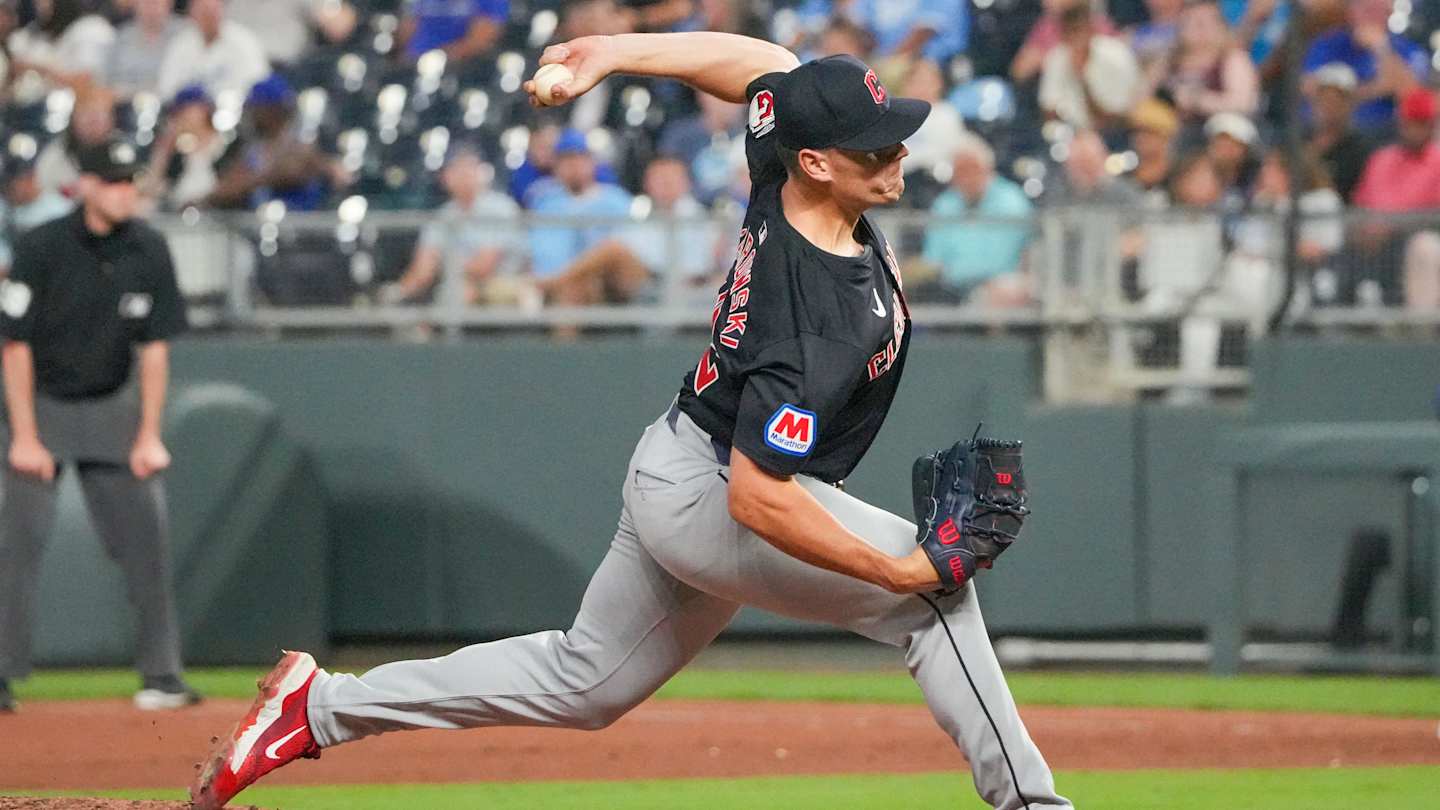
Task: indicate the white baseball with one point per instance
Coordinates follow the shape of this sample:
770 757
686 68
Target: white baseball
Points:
547 77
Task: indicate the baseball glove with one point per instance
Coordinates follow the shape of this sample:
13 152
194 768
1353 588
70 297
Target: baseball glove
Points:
970 503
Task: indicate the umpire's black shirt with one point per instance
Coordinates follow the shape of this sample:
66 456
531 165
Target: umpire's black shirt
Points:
81 301
807 347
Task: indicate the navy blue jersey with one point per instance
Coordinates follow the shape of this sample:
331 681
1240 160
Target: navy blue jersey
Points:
806 347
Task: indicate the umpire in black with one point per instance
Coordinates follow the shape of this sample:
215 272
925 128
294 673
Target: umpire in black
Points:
92 297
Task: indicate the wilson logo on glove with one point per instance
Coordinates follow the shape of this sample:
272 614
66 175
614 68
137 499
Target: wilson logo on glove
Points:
970 503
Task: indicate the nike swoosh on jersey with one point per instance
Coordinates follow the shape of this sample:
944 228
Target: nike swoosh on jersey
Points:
879 307
272 750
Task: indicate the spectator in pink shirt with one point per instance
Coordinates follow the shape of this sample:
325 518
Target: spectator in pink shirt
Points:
1405 177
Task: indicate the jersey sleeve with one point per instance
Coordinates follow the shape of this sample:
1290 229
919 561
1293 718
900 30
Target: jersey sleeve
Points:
792 392
20 290
167 315
760 138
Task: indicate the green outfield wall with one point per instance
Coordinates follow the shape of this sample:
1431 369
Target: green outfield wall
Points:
467 490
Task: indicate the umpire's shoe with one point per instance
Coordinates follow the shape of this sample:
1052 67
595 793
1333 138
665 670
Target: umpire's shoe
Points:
7 700
158 693
275 731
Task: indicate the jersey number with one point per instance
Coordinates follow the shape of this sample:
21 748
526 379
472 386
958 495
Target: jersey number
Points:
706 373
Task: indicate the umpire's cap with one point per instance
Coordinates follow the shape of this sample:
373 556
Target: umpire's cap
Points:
114 160
839 102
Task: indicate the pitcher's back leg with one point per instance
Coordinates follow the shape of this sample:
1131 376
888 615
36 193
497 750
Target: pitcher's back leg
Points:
637 626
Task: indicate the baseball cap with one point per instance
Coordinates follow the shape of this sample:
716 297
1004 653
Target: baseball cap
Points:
1418 104
15 167
838 101
114 160
1235 125
1154 115
191 94
272 89
1337 75
572 142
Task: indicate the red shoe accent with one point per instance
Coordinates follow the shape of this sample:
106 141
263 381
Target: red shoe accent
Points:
274 732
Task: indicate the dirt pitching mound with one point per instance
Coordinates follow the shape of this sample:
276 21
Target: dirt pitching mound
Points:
89 804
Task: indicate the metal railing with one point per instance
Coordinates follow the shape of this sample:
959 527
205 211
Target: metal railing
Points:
1125 301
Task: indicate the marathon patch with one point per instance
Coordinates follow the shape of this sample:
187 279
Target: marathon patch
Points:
135 305
791 430
15 298
762 113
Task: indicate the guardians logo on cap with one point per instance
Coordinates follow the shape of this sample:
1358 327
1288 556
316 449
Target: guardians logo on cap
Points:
839 102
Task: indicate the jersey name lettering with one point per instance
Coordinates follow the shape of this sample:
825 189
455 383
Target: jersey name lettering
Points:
739 294
884 359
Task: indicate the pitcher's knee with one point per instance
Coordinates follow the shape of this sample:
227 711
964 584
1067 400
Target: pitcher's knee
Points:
600 711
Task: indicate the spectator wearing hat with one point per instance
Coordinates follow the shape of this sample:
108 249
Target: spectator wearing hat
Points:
185 160
1153 127
1399 178
1333 139
1405 176
132 67
574 191
221 55
1090 80
979 231
273 163
467 244
1385 63
463 29
1207 72
26 205
1230 142
92 121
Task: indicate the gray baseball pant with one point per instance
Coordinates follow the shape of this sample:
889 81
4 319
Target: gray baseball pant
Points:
676 573
130 518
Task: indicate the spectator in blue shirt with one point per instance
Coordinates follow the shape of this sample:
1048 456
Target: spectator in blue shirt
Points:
933 29
1385 63
572 190
461 28
980 260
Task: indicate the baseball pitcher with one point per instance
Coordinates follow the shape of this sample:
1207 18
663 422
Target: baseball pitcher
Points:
729 498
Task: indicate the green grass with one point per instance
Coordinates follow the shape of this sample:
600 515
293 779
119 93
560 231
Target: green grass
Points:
1406 697
1311 789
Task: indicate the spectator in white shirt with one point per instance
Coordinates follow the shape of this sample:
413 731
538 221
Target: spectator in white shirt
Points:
289 25
936 139
63 46
1091 80
219 54
132 66
465 250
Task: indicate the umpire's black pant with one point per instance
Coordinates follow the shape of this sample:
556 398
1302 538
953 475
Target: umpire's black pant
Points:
129 516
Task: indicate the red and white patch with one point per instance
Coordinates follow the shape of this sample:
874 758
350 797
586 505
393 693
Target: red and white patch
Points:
791 430
762 113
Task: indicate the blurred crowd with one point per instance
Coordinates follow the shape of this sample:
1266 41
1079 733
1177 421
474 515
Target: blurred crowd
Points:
1171 110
